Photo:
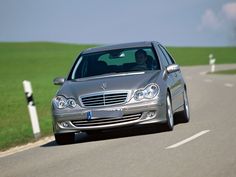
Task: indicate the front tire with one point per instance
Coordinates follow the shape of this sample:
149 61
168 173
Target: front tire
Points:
169 113
65 138
185 114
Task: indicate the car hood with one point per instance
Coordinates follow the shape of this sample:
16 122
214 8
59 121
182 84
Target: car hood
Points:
123 81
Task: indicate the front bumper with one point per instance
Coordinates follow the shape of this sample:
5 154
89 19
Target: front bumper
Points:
75 120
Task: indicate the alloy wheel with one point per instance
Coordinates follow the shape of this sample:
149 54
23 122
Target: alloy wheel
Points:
170 118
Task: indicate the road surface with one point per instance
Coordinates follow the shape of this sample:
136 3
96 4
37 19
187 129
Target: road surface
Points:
204 147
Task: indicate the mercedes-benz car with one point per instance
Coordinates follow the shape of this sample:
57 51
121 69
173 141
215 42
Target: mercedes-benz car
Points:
119 85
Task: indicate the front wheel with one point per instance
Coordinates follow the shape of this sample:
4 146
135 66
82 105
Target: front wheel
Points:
65 138
169 113
185 114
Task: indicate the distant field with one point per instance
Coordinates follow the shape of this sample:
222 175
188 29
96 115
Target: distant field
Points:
199 55
41 63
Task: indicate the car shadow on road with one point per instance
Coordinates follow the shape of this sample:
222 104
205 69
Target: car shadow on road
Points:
124 132
116 133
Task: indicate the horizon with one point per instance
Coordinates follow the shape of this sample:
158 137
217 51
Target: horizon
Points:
68 43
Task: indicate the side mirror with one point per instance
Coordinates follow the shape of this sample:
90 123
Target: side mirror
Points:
172 68
58 81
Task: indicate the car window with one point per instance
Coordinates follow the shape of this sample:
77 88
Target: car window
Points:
168 57
162 56
125 57
115 61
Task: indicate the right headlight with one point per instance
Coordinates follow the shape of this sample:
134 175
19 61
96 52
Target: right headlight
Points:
149 92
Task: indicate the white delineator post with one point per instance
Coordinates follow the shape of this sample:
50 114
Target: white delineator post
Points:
32 109
212 62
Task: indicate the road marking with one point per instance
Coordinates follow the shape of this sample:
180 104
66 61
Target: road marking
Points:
228 85
188 139
208 80
203 73
26 147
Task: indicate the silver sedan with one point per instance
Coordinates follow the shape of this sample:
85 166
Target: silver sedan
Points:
119 85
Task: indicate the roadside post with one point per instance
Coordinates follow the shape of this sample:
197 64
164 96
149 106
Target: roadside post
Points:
32 108
212 61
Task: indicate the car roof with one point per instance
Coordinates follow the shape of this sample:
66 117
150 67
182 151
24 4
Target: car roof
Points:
118 46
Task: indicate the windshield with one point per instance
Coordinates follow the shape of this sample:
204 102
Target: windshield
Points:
115 61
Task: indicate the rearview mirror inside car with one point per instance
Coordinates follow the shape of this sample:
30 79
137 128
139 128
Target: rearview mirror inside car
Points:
116 54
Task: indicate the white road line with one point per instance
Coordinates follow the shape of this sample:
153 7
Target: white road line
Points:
203 73
228 85
188 139
208 80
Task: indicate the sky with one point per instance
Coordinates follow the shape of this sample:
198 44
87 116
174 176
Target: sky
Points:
171 22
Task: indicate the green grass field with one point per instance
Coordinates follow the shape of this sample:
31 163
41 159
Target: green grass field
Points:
199 55
41 63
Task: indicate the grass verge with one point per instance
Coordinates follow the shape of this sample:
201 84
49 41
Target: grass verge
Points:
39 63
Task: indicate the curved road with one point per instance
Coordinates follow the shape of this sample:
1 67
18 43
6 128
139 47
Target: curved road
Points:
204 147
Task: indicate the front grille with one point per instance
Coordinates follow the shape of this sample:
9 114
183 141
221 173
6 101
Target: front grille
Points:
104 99
106 121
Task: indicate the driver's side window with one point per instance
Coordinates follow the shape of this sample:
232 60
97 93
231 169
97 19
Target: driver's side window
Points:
162 57
167 55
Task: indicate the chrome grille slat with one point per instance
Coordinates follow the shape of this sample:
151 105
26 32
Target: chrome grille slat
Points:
112 96
112 102
94 101
103 123
95 104
93 98
106 121
110 99
102 99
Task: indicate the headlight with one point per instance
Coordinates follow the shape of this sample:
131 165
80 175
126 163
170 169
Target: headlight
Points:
139 95
61 102
71 103
149 92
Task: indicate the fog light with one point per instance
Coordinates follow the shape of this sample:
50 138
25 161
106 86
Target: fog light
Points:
151 114
64 124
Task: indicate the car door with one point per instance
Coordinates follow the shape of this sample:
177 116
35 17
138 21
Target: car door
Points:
178 87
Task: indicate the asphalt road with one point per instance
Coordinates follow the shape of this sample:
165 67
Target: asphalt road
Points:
206 146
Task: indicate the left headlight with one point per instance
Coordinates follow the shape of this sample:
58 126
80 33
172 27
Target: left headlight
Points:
61 102
149 92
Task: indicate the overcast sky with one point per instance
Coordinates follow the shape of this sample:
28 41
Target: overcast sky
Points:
171 22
